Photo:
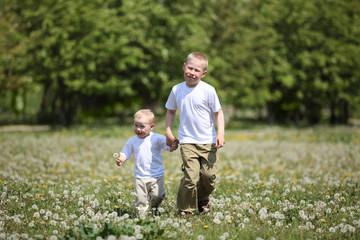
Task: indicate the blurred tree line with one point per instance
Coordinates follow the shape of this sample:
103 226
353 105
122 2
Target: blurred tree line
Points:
287 60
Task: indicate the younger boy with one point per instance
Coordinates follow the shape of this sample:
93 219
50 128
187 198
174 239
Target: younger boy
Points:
149 172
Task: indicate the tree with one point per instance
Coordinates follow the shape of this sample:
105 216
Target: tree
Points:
94 55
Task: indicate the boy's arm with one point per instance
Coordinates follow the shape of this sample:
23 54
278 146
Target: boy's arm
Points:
170 139
220 122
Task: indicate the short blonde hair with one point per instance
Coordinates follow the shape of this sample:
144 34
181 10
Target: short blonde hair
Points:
198 56
147 113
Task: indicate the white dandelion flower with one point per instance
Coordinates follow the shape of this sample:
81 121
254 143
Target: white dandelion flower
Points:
112 237
37 215
217 221
17 220
352 229
139 236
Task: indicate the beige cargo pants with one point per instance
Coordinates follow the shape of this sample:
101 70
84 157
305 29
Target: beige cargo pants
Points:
200 165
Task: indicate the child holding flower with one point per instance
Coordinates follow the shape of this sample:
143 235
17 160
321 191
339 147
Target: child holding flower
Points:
149 171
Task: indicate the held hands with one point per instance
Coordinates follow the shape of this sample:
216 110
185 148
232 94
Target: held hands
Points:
174 145
172 142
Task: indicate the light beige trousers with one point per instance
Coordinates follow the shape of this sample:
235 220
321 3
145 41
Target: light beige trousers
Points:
148 192
200 165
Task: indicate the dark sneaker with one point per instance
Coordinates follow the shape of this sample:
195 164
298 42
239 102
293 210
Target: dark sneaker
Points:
204 206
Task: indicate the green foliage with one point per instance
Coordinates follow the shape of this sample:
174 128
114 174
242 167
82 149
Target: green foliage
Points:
99 58
149 230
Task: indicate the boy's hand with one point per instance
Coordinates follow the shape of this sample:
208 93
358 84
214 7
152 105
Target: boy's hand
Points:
220 141
119 161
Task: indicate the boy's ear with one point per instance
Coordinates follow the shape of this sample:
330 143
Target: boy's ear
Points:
204 73
152 126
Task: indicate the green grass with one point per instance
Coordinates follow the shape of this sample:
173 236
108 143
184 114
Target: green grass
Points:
274 183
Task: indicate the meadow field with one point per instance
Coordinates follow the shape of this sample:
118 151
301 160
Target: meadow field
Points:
274 183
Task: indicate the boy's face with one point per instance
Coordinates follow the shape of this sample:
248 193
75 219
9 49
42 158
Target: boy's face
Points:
193 72
143 126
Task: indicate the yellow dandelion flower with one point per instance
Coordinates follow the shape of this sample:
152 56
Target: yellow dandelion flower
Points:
230 221
206 226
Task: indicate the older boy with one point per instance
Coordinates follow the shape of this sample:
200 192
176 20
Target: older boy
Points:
198 105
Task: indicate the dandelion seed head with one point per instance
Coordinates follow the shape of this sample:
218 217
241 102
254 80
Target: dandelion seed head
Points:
217 221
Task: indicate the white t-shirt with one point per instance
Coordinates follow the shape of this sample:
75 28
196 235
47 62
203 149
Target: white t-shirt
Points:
147 154
196 106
